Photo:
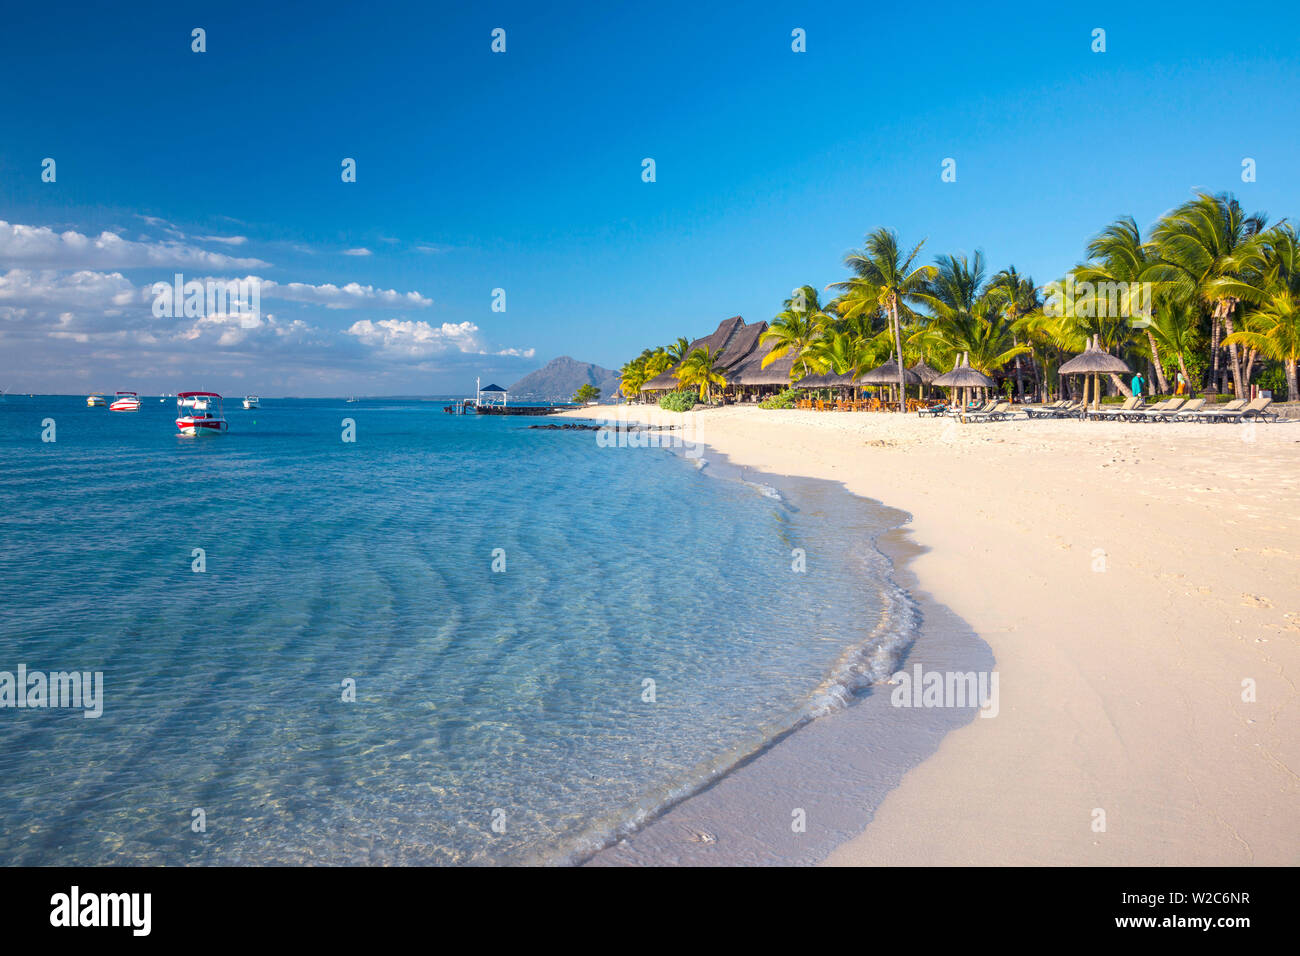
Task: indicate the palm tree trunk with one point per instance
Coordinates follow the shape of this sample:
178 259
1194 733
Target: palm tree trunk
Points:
1119 385
1020 381
1214 351
1292 393
1235 361
1161 383
1251 355
898 344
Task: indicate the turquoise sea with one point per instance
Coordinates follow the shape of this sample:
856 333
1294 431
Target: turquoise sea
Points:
645 631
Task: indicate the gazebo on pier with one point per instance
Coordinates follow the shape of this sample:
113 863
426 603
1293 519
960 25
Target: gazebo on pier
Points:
490 395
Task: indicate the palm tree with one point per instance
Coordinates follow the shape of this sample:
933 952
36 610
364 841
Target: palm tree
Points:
984 333
842 353
1017 296
701 369
1273 303
1173 326
677 351
657 362
884 280
969 316
1118 261
1203 246
632 376
795 329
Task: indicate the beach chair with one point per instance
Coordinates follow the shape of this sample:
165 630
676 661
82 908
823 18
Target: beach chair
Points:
999 411
1116 414
1046 411
932 411
1216 412
1156 412
1188 412
1256 410
1056 410
977 410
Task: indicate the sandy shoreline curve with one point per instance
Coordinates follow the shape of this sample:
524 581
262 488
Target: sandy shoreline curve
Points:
1139 585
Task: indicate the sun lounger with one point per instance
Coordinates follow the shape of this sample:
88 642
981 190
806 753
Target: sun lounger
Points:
1116 414
1188 412
1066 410
1221 412
1047 411
1256 410
1157 413
997 413
986 407
932 411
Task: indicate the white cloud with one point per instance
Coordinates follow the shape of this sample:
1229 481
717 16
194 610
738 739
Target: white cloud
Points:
358 252
226 240
71 306
42 246
406 339
350 296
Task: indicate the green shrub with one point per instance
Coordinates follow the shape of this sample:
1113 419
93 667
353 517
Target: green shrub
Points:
679 401
785 399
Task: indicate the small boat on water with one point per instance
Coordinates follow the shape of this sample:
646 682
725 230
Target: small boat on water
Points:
200 413
252 401
124 402
95 401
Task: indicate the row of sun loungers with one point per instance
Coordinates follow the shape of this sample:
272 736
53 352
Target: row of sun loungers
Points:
1185 410
992 411
1133 410
1062 409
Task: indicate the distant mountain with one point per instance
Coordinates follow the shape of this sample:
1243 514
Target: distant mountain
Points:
561 377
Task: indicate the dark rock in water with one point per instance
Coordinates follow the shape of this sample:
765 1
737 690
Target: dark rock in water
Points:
596 428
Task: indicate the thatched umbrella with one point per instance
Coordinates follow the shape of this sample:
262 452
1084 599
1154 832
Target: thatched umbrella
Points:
924 372
963 376
887 374
1096 363
827 380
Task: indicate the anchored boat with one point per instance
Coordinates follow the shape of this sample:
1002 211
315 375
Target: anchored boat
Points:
124 402
200 413
252 401
95 401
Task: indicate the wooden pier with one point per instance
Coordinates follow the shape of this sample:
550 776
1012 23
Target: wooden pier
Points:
468 407
494 400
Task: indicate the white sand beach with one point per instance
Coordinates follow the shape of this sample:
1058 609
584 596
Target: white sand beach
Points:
1129 578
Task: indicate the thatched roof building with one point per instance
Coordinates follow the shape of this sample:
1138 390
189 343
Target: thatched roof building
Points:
751 372
720 338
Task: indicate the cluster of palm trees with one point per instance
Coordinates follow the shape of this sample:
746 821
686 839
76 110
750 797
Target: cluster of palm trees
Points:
1211 294
649 364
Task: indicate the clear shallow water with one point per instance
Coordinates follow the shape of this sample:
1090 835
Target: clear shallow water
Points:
477 691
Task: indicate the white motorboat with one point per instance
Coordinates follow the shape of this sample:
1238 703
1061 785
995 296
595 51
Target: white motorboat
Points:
200 413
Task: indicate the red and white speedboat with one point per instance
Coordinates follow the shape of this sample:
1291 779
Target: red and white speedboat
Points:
125 402
200 413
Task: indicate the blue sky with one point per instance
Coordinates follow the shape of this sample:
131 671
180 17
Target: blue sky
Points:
522 170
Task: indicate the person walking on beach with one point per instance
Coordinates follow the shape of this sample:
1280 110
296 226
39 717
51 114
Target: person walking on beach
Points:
1182 385
1137 384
